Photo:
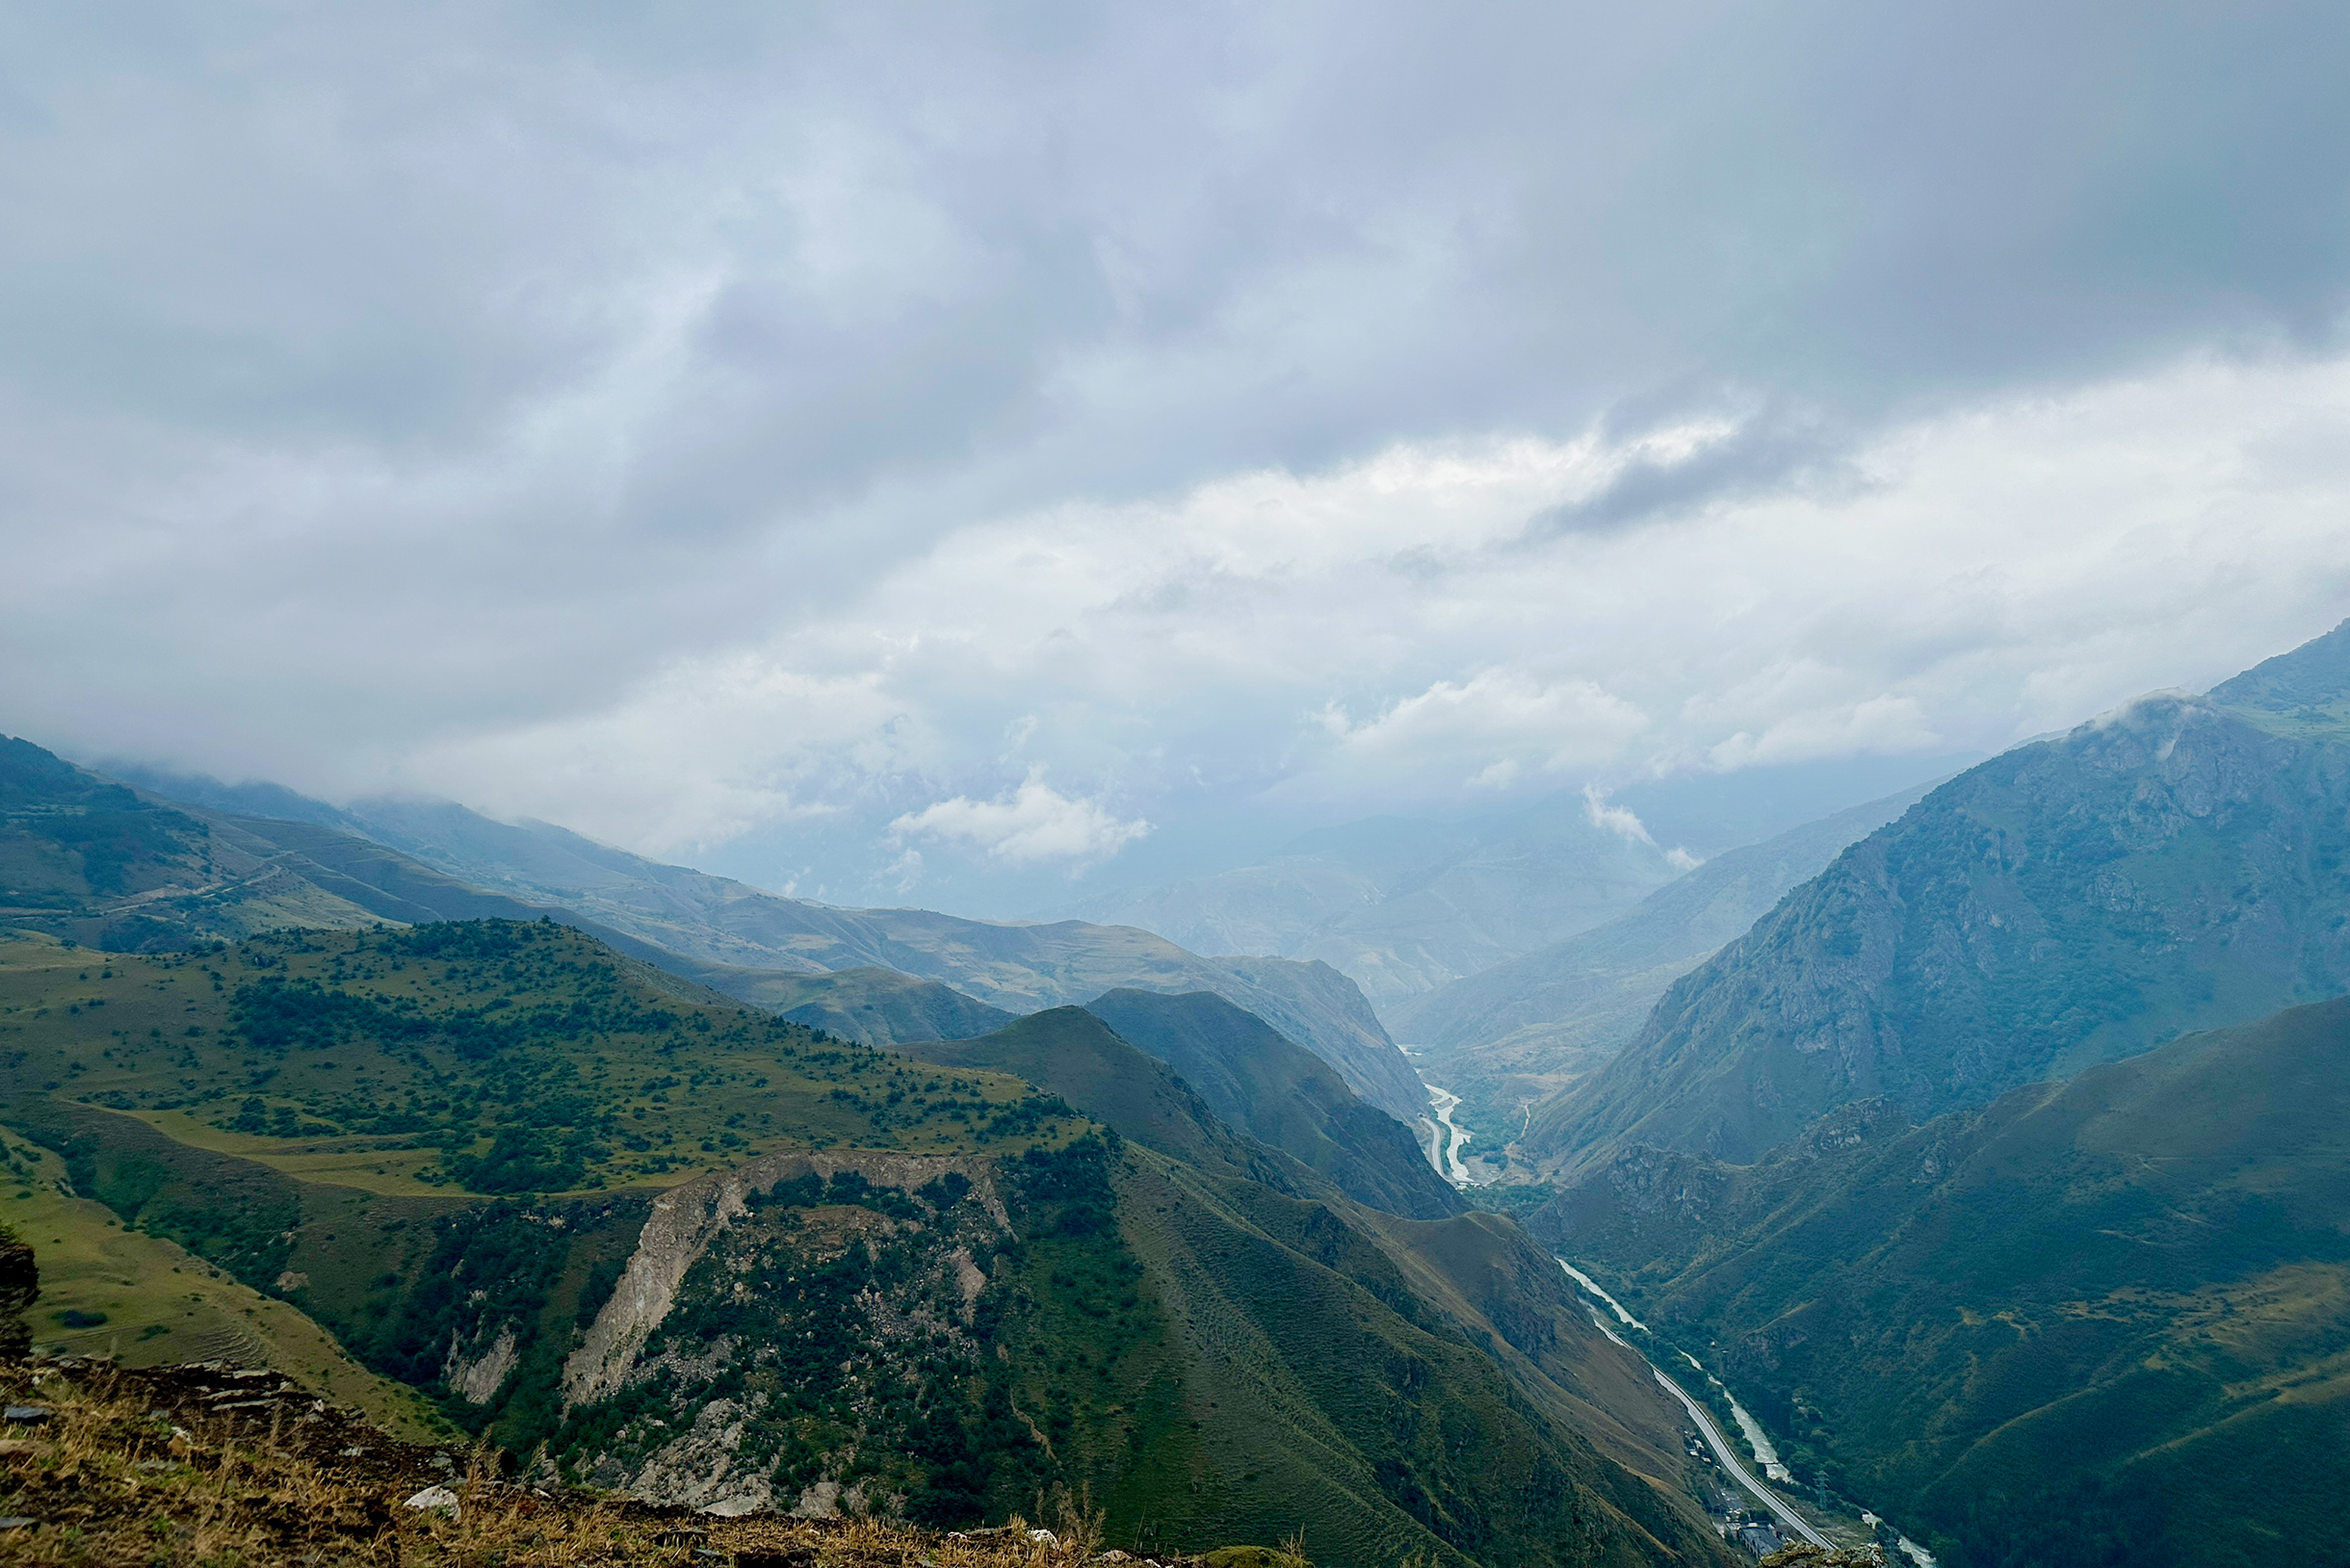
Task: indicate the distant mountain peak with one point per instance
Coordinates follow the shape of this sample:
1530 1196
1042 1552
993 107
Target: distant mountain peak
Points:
2179 863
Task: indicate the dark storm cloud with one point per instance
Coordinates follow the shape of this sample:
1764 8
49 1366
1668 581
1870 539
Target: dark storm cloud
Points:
1135 244
1763 451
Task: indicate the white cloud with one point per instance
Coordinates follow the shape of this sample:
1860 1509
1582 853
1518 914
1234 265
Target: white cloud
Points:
1621 820
1626 824
1032 823
1390 635
1496 724
694 758
1975 578
903 873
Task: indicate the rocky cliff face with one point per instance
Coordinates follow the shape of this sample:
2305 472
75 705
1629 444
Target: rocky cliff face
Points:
776 1318
2179 864
687 1221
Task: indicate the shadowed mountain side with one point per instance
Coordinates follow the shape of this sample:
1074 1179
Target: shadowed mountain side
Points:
2305 691
82 856
874 1005
1479 1272
1515 1034
1280 1094
1307 1331
2182 863
167 874
385 883
2082 1324
1014 967
86 860
1489 1275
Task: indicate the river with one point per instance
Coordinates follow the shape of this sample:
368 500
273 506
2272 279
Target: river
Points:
1613 1305
1449 1136
1765 1453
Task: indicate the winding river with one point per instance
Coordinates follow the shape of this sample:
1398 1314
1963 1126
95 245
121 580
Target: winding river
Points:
1449 1136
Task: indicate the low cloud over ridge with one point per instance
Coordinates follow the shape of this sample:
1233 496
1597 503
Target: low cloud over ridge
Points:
1032 823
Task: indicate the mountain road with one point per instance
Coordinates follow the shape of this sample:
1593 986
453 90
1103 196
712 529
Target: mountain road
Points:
1729 1458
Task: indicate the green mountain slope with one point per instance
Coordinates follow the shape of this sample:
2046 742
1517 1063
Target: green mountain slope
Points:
1016 968
85 858
82 858
1484 1273
2305 692
1259 1082
1513 1035
158 876
2102 1321
639 1234
1479 1273
2183 863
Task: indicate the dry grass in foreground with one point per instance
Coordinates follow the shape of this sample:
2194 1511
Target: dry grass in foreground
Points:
210 1466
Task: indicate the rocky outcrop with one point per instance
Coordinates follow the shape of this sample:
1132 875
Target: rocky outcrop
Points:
687 1220
480 1374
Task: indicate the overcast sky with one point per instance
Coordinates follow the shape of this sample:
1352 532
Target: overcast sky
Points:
939 454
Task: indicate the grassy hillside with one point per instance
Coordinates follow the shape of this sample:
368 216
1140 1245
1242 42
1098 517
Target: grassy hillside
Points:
1014 967
1257 1081
1485 1274
143 1301
2182 864
2097 1322
634 1233
1322 1383
1511 1036
488 1056
167 876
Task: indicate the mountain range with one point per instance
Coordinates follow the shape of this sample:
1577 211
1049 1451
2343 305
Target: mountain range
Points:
123 867
1983 1141
2182 863
519 1161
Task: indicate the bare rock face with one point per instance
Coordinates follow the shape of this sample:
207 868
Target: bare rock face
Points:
688 1219
753 1292
19 1289
478 1375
